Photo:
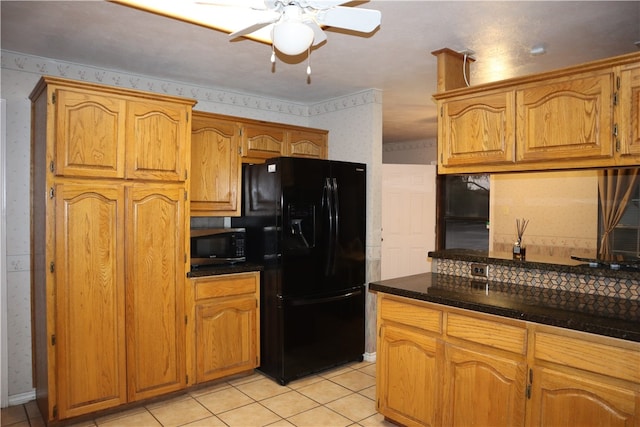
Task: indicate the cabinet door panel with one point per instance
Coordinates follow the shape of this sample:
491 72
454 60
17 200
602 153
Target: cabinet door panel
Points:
408 384
559 399
566 118
226 337
629 116
157 135
483 389
306 144
262 141
215 167
90 305
155 290
477 130
90 134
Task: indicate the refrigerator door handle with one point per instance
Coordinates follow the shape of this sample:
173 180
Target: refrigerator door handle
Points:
336 217
310 301
327 195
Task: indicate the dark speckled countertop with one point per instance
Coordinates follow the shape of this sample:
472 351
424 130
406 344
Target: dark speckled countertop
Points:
215 270
614 317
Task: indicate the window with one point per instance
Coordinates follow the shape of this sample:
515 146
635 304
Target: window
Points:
463 212
625 237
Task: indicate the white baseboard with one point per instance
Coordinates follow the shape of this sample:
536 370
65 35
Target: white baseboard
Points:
370 357
22 398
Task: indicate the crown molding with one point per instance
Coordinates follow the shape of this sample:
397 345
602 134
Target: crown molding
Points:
46 66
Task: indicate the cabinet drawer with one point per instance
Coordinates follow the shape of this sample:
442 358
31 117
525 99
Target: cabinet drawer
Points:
601 357
226 285
487 332
411 314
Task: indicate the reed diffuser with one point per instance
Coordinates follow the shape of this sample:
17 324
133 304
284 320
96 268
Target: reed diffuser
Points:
519 250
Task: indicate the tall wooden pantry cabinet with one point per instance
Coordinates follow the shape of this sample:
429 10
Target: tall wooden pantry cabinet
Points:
109 245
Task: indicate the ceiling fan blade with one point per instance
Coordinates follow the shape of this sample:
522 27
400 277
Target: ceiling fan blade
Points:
255 27
318 34
350 18
321 4
252 4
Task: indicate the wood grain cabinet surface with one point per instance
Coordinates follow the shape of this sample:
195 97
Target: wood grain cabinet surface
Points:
225 335
579 117
215 166
109 243
439 365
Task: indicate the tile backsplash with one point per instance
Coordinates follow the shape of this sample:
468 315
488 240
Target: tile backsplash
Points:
617 286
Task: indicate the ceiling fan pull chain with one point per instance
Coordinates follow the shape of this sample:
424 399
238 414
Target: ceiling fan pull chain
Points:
308 61
273 54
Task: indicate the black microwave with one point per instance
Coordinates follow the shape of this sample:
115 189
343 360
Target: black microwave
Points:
211 246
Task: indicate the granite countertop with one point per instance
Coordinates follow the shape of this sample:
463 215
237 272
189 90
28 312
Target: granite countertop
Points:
602 315
215 270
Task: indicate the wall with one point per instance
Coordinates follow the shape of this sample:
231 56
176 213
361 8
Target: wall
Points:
354 124
562 209
423 152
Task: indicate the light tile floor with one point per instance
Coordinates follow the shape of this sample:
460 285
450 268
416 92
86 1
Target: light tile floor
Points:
344 396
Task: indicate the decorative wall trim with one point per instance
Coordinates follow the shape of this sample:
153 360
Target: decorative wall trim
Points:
46 66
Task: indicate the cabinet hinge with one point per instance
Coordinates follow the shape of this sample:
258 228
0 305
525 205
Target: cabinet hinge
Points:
186 175
615 99
240 150
528 391
51 166
53 339
55 411
618 82
52 267
53 98
615 129
186 319
52 193
187 115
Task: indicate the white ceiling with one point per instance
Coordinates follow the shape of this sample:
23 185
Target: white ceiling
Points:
396 58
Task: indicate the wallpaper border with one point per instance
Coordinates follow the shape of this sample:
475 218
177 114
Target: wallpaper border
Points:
54 67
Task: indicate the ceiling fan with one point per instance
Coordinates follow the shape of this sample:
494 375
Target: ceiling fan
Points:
291 26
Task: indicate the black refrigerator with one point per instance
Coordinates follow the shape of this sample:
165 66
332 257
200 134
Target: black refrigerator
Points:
305 222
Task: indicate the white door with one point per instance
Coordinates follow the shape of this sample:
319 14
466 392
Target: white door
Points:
408 219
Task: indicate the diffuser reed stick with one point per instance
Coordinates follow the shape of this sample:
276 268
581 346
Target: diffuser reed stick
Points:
519 251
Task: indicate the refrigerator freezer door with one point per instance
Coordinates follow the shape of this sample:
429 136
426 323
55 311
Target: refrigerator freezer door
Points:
319 333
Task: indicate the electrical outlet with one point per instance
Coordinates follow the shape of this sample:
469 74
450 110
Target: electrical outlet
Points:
481 270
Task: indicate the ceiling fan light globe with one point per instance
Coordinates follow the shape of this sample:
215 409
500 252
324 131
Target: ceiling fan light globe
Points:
292 38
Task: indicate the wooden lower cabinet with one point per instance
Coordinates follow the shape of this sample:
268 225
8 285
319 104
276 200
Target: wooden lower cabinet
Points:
408 380
226 333
572 399
483 389
439 365
155 274
88 347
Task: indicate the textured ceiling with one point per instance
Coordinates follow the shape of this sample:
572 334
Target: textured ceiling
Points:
396 58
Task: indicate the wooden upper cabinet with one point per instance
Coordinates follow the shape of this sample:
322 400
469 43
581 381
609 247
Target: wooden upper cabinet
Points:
103 134
477 129
157 140
583 116
566 118
306 143
215 166
262 141
628 119
90 134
